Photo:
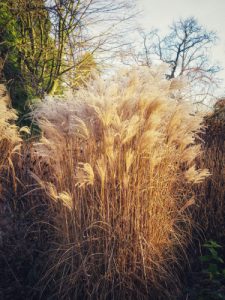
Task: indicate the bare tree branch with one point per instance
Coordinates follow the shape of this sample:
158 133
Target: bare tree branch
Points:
186 50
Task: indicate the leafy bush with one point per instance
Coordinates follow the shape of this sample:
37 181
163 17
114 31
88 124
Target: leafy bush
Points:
208 282
213 260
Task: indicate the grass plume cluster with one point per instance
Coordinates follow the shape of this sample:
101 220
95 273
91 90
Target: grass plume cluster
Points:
119 161
10 140
211 193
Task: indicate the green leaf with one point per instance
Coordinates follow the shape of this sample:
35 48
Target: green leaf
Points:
212 244
213 252
206 258
213 269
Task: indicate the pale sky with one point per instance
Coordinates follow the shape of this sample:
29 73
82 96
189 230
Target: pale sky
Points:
209 13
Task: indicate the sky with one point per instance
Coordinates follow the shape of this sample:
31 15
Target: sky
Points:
209 13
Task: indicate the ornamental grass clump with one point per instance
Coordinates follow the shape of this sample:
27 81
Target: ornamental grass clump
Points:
211 193
120 161
10 140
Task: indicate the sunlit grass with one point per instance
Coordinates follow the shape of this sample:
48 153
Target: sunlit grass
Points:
10 141
120 161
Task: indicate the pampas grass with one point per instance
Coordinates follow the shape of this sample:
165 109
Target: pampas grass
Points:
10 141
120 162
211 193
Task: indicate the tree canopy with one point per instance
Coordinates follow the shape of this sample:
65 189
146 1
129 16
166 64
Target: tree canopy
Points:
43 42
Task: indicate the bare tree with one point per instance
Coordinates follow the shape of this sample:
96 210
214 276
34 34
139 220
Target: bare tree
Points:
186 51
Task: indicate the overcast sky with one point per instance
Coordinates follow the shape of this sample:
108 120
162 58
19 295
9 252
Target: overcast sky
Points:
209 13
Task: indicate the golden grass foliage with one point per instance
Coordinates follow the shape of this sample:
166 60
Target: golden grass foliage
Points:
120 159
9 138
211 193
